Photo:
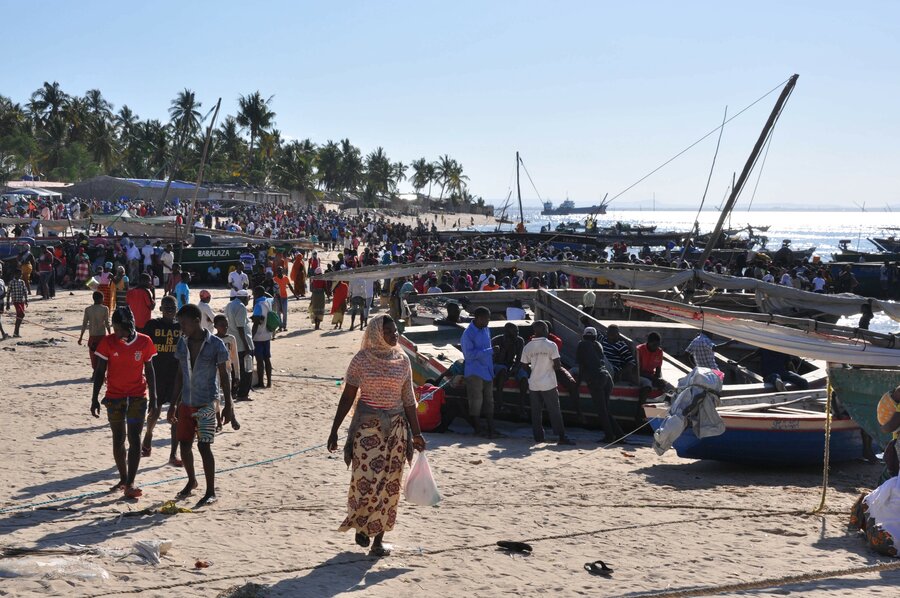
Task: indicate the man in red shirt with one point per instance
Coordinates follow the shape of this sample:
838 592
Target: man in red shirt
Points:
650 359
125 364
140 300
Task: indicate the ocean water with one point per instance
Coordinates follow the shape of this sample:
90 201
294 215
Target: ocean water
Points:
822 230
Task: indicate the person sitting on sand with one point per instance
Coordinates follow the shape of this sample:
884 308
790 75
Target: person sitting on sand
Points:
202 357
126 366
379 384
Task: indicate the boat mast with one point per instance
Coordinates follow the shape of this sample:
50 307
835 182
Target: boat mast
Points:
521 227
209 132
754 154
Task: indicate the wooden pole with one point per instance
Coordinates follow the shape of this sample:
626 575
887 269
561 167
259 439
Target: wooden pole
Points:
736 190
521 227
209 132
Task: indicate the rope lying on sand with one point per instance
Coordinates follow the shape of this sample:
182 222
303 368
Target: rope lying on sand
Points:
159 482
772 582
668 594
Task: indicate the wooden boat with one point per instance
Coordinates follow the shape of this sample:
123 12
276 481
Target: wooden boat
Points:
780 429
433 349
889 244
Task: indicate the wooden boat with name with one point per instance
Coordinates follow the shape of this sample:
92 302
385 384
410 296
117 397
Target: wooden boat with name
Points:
780 429
434 348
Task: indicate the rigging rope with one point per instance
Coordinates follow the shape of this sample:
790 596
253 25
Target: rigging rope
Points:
529 179
761 167
691 146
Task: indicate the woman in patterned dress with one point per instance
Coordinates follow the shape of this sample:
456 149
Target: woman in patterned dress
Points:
383 432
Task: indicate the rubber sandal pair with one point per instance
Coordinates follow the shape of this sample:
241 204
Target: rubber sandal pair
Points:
519 547
598 568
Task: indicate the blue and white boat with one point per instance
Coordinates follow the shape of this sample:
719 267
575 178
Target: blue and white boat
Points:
778 429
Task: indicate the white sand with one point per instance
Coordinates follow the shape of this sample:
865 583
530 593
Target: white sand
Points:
661 523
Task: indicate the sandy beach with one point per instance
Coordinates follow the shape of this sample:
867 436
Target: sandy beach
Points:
662 523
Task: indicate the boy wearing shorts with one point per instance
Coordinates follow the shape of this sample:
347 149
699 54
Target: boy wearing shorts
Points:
125 364
202 370
17 295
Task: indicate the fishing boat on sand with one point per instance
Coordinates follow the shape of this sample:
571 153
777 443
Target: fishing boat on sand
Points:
862 365
785 429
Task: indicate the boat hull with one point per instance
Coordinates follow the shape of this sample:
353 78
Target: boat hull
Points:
765 439
623 402
567 211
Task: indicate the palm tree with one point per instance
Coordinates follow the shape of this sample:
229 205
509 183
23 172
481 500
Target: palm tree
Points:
398 174
254 113
420 174
443 169
328 163
13 118
102 143
98 106
379 175
294 168
227 153
76 114
185 114
125 122
185 122
456 180
350 175
48 101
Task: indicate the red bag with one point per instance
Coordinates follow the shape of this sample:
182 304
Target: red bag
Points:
431 399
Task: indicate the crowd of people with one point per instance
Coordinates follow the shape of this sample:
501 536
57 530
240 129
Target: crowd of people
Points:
199 362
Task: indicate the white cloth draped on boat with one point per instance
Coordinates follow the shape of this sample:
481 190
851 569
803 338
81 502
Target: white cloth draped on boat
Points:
694 406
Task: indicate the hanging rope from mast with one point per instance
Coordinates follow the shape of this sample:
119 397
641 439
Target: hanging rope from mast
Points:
691 146
762 165
522 162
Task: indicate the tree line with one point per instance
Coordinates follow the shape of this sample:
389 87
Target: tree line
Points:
58 136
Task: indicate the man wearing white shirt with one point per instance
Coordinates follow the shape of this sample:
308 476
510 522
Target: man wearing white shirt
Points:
147 254
238 279
168 260
541 355
819 283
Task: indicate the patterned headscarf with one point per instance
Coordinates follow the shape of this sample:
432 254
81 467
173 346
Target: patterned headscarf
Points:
373 340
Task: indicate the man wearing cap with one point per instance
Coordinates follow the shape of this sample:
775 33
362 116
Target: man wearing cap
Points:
239 328
592 369
207 316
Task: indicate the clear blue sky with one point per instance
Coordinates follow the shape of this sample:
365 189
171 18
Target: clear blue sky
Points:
594 94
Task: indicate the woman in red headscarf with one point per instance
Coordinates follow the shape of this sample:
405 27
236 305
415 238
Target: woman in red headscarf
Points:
339 303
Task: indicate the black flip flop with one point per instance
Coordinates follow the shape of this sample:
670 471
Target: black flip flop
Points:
520 547
598 568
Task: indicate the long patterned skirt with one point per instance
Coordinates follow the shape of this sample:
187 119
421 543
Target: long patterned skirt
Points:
317 305
377 472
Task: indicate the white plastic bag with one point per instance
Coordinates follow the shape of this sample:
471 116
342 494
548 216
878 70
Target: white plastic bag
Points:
421 488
